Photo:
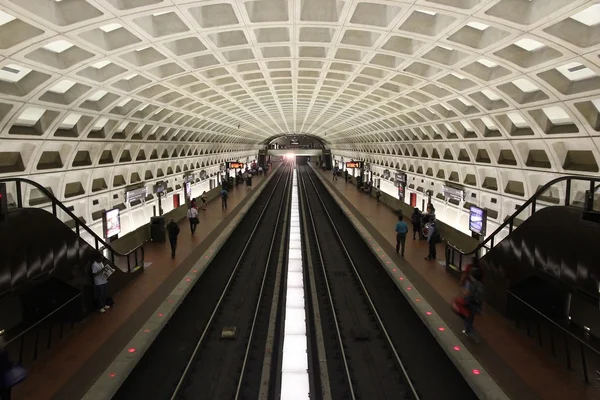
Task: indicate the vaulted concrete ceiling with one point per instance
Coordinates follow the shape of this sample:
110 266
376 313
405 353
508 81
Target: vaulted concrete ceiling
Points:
505 84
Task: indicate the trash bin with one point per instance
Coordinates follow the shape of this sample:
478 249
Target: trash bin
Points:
157 229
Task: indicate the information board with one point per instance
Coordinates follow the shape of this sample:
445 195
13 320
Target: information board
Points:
353 164
236 165
477 220
160 187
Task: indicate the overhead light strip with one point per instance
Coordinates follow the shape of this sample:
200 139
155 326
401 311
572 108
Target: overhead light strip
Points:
294 371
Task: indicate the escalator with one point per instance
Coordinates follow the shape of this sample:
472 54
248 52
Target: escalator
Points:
46 265
545 275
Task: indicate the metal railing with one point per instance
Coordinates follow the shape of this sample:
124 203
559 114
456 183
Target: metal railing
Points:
26 346
563 343
127 262
565 183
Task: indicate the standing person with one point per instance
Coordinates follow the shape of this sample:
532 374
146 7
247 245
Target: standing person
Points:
192 215
378 195
204 199
433 237
416 223
224 196
473 298
100 283
335 172
401 231
11 373
173 231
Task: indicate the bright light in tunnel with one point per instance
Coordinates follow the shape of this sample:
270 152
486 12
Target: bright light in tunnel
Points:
289 156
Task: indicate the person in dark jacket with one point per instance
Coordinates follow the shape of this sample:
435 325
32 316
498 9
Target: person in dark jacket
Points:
433 238
11 373
224 196
173 231
416 223
474 291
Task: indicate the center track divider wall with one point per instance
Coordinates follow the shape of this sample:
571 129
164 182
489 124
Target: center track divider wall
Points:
475 375
107 385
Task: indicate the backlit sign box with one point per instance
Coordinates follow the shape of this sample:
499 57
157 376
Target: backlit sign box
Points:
477 220
111 222
386 174
453 193
189 178
160 187
353 164
236 165
136 194
400 179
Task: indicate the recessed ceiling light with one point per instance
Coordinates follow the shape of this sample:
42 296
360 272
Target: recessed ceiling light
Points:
590 16
557 115
487 63
525 86
517 119
98 95
465 101
573 72
100 123
491 95
58 46
489 123
5 18
478 25
30 116
110 27
101 64
13 73
529 44
70 121
123 102
62 86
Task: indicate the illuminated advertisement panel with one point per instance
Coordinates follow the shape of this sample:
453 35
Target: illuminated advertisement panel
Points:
112 222
353 164
477 220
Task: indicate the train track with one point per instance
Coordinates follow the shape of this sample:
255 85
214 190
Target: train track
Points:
362 360
220 357
206 350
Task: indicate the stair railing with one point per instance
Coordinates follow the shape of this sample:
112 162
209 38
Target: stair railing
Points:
452 251
129 262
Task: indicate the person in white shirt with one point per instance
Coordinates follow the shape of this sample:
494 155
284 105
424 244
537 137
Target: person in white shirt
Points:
100 283
192 215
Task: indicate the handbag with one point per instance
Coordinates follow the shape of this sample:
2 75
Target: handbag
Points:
459 307
15 375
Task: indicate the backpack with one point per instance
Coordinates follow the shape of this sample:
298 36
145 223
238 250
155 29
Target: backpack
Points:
416 218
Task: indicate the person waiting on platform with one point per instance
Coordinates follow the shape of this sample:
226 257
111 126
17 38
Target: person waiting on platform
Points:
433 238
401 231
249 181
173 232
346 175
378 195
260 170
100 283
11 373
192 215
204 199
416 223
336 171
224 196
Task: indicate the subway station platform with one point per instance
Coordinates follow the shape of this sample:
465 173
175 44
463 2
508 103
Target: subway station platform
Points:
516 363
68 370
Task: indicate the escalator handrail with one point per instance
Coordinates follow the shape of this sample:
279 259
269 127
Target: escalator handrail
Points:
530 201
57 202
